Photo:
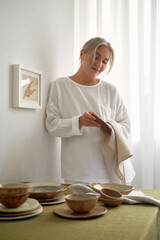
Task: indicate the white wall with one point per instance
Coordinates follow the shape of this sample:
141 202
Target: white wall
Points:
37 34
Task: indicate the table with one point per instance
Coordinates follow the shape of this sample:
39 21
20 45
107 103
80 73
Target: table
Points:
125 222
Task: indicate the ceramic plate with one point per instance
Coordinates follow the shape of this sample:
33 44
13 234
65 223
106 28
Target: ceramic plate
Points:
40 210
122 188
29 205
65 211
59 196
20 213
61 200
34 184
45 191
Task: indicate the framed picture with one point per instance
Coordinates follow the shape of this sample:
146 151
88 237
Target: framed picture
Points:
27 87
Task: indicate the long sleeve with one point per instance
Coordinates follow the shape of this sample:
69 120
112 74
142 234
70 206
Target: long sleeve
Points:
122 117
55 124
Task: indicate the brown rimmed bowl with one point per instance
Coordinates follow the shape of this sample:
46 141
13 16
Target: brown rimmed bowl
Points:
110 194
81 202
13 195
122 188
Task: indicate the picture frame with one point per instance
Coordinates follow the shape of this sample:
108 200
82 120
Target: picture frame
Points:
27 87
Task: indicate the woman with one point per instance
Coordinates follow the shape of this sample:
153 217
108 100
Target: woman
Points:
73 104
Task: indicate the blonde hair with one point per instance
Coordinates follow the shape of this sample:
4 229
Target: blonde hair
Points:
93 44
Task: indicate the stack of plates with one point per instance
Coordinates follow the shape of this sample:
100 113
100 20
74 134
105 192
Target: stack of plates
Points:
47 194
28 209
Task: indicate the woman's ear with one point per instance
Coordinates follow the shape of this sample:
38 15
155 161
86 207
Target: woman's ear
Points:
81 54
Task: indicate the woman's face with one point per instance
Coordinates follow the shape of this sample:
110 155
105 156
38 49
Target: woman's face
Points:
99 64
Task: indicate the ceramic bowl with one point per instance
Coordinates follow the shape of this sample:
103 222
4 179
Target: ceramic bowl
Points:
13 195
122 188
112 202
81 202
43 192
13 201
13 188
110 194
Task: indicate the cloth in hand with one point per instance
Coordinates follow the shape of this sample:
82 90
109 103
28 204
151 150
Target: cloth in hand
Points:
117 147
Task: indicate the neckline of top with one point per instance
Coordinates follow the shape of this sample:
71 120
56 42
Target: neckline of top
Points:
81 85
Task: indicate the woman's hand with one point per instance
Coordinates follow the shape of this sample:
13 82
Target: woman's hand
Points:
88 119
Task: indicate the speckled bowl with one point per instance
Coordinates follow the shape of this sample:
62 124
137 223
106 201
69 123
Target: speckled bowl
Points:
13 195
112 202
13 201
13 188
46 191
110 194
81 202
122 188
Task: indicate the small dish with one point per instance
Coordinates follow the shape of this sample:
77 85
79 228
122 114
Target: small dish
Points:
122 188
42 192
110 194
55 202
81 202
66 212
29 205
57 197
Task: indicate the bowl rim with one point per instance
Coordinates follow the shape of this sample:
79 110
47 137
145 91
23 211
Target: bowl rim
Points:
47 192
127 188
94 197
12 185
109 196
8 195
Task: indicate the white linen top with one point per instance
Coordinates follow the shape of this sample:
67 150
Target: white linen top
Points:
81 156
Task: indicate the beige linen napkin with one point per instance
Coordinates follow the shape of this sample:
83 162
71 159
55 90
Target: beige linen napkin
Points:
115 150
133 197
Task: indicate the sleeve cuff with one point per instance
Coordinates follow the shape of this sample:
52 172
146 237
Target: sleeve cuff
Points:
75 126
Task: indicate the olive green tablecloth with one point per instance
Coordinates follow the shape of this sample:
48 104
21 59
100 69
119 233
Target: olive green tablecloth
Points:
125 222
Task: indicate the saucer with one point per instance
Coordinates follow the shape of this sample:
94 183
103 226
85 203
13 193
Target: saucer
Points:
28 205
66 212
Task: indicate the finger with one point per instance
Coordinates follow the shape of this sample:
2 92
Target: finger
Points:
93 114
90 116
92 122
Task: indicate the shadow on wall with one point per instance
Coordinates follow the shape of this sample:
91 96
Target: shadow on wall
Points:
28 152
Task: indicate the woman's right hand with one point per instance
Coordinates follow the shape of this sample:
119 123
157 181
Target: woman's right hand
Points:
88 119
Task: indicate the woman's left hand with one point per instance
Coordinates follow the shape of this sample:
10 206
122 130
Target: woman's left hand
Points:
88 119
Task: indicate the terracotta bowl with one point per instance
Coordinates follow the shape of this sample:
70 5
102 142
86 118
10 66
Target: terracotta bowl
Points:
13 201
122 188
112 202
81 202
110 194
13 188
13 195
43 192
